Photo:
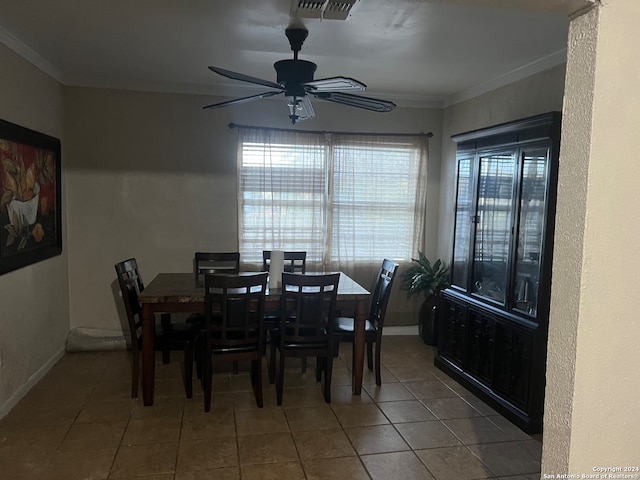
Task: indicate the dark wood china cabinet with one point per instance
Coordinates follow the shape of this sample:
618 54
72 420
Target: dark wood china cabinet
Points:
494 320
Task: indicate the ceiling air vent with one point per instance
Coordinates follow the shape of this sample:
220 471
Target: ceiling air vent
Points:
329 9
338 10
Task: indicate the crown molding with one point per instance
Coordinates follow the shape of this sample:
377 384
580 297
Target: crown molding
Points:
12 43
519 73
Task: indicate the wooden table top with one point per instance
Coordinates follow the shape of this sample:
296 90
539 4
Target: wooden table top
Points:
182 288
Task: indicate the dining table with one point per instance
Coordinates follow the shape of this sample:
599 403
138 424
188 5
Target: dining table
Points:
182 293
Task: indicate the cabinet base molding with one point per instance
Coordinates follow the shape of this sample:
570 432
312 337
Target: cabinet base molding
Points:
511 412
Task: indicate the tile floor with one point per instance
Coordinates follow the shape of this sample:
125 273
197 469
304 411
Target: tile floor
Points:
79 422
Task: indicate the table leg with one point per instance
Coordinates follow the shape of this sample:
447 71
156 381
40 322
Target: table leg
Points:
359 346
148 354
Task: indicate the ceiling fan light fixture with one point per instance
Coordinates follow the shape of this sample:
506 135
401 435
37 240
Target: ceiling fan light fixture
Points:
300 108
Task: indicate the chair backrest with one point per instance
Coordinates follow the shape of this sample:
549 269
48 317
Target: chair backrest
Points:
294 262
215 262
307 306
234 311
382 293
131 285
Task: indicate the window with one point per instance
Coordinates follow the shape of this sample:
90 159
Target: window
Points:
341 198
373 201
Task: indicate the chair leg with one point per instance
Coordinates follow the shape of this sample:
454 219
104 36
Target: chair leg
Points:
188 370
235 367
272 363
370 355
166 356
256 367
319 367
336 348
304 364
135 372
198 357
280 379
378 376
207 374
327 377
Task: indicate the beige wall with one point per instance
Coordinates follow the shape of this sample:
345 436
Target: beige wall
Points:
592 414
34 301
154 176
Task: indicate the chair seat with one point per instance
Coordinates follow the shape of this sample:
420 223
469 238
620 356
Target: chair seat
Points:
275 337
346 326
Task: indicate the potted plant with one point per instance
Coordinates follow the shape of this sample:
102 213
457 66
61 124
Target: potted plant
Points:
423 277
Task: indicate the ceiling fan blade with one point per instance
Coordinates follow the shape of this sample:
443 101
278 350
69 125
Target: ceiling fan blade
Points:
334 83
368 103
244 78
238 101
301 109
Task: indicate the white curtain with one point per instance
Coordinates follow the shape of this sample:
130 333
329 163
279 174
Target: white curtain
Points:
378 200
348 200
282 195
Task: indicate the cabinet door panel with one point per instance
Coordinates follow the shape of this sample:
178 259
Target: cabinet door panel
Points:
513 364
452 332
481 346
494 221
532 208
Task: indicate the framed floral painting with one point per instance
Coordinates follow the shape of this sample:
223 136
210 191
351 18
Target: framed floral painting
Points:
30 197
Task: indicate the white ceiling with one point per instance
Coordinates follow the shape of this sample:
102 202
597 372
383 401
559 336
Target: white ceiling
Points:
424 52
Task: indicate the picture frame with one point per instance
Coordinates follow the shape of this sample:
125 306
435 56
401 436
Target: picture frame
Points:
30 197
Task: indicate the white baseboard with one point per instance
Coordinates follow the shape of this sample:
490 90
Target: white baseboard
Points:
13 400
402 330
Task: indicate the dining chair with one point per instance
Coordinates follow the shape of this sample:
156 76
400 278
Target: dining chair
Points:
307 307
343 328
215 262
207 263
234 311
294 262
169 335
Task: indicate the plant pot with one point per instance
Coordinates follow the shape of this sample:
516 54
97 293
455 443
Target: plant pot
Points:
427 324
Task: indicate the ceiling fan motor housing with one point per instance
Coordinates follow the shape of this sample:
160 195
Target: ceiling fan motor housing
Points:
291 74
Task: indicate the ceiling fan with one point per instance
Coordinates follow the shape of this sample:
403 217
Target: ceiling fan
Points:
295 81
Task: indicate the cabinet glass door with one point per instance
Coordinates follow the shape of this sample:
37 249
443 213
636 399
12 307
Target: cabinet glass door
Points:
494 218
461 238
531 221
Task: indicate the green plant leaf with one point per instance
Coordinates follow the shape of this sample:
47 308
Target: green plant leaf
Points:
423 277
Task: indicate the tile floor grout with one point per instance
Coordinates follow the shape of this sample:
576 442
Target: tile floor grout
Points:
80 422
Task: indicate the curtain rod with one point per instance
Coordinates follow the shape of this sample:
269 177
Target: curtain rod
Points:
428 134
